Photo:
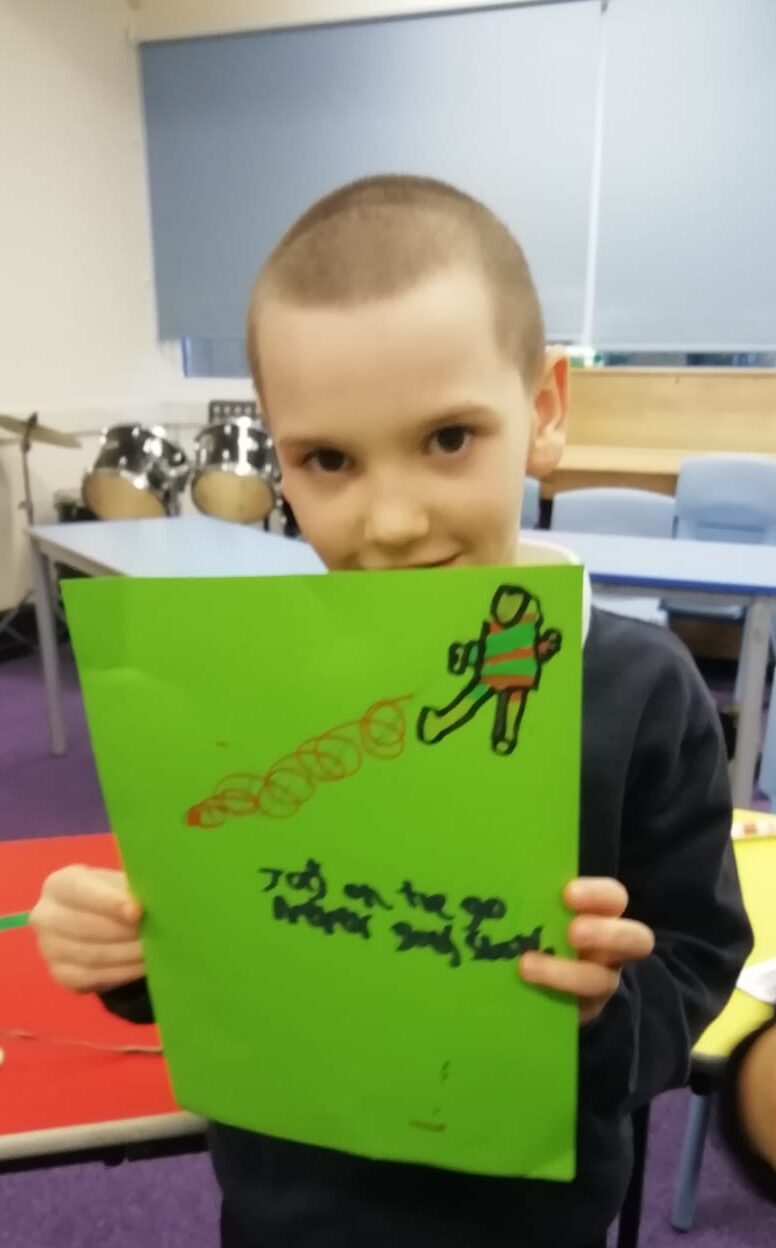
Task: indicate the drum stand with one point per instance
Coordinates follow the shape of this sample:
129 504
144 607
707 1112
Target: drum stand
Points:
26 505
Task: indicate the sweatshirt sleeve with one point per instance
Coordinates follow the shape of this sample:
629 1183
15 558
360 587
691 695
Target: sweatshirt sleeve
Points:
131 1002
678 866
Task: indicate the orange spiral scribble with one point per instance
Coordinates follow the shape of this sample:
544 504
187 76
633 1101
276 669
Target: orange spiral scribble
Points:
336 754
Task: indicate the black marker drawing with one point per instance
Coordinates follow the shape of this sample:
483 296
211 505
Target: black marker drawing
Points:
440 941
327 920
415 938
309 880
365 893
506 661
481 946
431 903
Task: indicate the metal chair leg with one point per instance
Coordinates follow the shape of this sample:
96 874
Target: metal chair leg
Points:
690 1163
767 778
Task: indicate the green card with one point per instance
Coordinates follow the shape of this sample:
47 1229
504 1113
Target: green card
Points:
348 803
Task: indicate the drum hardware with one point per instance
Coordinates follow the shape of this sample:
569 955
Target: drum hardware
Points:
29 431
139 472
219 410
281 520
70 507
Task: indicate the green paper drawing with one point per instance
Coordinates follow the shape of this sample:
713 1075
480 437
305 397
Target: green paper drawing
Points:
334 911
334 755
506 661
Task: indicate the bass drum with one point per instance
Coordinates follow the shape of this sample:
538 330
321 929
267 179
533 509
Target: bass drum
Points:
138 473
236 474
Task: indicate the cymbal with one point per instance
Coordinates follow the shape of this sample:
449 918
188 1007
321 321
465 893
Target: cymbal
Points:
38 433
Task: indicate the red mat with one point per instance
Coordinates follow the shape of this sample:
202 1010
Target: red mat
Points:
44 1085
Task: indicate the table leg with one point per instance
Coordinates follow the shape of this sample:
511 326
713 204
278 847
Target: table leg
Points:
47 637
755 661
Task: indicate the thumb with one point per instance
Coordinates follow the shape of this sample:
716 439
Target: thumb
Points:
129 908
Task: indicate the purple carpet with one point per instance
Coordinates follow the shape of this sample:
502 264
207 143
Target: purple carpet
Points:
173 1203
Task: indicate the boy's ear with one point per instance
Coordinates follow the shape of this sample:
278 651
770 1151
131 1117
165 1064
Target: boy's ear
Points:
550 415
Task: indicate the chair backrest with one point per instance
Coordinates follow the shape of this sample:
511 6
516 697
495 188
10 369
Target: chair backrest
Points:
529 516
727 498
632 513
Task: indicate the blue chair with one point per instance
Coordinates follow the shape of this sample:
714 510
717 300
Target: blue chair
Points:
620 512
529 516
725 498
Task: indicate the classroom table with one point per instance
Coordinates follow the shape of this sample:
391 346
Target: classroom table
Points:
703 574
583 466
644 468
180 546
68 1093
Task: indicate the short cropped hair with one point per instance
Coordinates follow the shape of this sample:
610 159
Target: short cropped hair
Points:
378 237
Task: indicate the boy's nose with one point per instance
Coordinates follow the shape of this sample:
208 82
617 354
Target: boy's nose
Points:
394 523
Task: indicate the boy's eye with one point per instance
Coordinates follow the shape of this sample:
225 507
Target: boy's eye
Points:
326 459
450 439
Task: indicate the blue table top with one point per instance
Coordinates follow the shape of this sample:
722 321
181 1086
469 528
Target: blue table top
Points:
670 564
179 547
202 546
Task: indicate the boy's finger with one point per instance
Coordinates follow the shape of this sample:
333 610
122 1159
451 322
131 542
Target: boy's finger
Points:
52 920
131 909
100 892
594 895
97 957
577 979
81 979
611 940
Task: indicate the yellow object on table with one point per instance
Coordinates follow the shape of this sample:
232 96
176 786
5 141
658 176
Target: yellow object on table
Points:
756 857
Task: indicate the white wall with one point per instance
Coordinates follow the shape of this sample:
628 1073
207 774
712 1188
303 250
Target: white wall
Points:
79 322
77 317
175 19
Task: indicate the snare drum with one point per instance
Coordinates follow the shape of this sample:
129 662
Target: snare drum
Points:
236 473
138 472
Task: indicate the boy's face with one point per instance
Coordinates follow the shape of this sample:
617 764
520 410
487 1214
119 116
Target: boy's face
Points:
403 433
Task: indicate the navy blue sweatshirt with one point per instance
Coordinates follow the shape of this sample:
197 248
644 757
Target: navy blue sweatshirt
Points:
655 814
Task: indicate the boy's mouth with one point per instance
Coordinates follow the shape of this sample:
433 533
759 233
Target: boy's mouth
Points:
437 563
449 562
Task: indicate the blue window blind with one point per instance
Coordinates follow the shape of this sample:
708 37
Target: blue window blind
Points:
687 252
244 132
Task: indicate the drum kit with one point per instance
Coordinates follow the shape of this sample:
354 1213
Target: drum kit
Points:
140 471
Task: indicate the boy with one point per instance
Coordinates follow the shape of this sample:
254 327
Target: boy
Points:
397 347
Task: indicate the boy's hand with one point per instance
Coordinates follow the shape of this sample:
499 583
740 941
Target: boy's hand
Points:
86 922
605 942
